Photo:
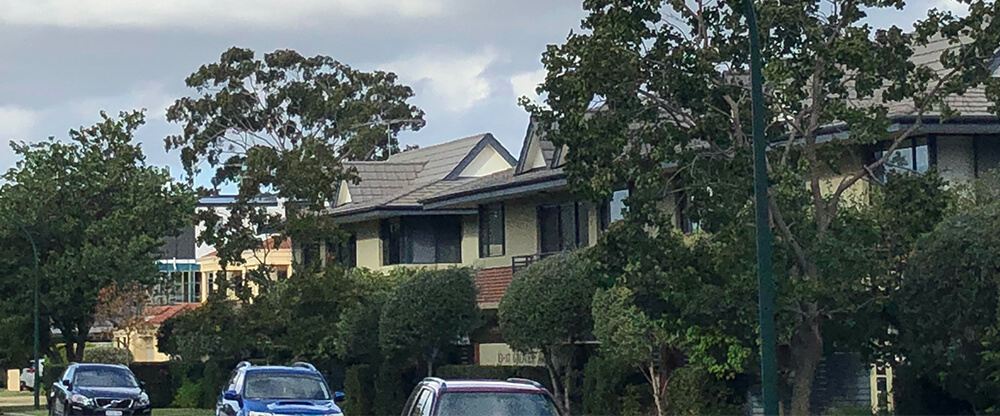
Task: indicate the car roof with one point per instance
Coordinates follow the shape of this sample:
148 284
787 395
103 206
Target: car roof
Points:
97 365
280 369
524 386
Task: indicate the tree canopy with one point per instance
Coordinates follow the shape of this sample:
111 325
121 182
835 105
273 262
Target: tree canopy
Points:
97 214
654 94
283 124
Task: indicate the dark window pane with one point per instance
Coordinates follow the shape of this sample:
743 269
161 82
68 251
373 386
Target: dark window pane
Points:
491 230
567 225
448 233
548 229
391 235
582 224
420 241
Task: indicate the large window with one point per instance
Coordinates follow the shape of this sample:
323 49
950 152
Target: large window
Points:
614 209
491 232
343 252
912 155
422 240
563 227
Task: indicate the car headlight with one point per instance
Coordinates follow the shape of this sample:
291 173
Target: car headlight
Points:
143 400
81 399
252 413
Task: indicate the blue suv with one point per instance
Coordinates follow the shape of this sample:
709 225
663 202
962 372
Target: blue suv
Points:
275 391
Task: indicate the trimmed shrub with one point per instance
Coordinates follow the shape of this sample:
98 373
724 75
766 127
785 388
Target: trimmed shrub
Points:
359 386
108 355
393 385
603 380
159 382
188 394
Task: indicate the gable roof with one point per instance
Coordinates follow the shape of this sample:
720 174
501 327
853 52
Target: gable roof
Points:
535 146
401 181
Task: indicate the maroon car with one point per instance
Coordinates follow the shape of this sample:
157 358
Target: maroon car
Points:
514 397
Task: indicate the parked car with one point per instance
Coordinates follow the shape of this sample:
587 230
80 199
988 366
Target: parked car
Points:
514 397
98 389
298 390
27 379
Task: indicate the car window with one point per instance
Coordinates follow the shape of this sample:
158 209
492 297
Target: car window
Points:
495 404
67 375
285 386
422 406
104 377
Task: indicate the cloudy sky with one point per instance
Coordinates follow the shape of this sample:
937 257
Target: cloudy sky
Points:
62 61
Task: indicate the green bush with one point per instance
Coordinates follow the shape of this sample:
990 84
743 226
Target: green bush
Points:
108 355
189 394
393 385
159 382
603 379
359 386
51 373
692 390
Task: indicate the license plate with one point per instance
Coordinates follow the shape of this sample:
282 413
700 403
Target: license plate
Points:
113 412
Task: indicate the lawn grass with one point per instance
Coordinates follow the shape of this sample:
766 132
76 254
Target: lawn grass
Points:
156 412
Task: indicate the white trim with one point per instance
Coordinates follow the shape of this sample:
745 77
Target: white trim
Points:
343 194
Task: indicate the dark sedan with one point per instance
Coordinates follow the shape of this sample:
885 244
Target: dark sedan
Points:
98 389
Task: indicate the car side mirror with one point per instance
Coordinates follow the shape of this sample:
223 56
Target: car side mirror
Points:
230 395
68 384
339 396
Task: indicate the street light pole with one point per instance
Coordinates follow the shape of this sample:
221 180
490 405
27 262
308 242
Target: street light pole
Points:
765 278
38 375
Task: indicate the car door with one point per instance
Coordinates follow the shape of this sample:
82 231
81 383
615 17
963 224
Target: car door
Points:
226 407
60 392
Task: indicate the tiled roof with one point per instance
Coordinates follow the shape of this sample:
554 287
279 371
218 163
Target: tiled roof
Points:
404 179
160 313
500 180
972 103
492 283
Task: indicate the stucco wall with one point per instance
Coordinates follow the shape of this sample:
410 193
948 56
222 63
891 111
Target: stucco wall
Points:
955 158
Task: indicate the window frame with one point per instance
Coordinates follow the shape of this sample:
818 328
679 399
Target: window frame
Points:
396 238
485 236
580 240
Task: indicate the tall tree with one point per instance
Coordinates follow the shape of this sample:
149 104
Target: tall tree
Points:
546 309
661 87
124 307
428 312
283 125
97 214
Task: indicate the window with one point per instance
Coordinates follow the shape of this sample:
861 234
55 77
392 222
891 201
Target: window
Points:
309 254
343 252
491 230
913 155
563 227
685 219
281 272
614 209
421 240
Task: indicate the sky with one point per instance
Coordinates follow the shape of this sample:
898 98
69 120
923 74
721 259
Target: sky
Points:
63 61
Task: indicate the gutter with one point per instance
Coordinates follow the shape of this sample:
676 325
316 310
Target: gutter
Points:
535 184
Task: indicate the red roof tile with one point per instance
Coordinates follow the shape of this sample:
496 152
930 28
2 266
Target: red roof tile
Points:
158 314
492 283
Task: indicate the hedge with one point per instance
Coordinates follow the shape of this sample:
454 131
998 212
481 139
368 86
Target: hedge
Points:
359 387
160 383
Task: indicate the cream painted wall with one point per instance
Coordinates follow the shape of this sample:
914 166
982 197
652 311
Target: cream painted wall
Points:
143 346
520 235
487 162
209 265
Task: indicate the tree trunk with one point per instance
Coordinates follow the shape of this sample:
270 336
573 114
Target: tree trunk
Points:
430 361
567 381
654 382
807 351
557 389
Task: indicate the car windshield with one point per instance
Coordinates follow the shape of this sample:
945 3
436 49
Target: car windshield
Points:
495 404
285 386
104 377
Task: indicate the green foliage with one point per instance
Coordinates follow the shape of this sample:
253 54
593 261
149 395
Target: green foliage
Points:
948 306
603 380
109 355
216 330
548 303
428 312
483 372
359 386
695 391
161 383
188 394
282 124
653 94
393 385
97 214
